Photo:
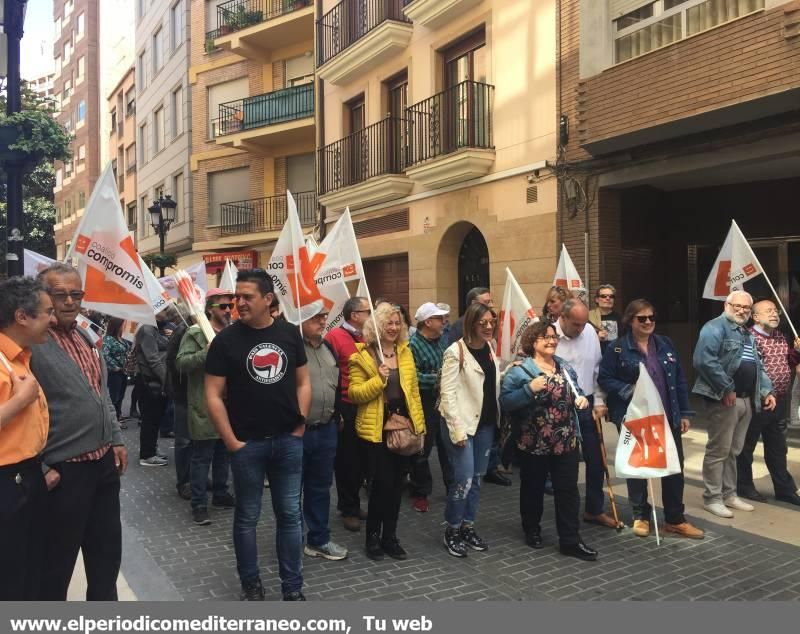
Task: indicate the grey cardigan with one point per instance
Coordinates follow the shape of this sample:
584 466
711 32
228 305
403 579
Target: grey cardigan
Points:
81 420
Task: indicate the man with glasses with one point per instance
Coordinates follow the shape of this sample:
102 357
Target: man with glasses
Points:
780 363
604 318
350 468
207 448
732 381
319 441
84 456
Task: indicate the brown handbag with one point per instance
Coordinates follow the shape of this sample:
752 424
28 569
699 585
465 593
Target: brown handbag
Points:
398 432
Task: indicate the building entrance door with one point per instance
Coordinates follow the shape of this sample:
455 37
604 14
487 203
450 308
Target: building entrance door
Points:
473 266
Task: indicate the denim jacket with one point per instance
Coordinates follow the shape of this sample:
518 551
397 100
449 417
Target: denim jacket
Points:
717 357
619 371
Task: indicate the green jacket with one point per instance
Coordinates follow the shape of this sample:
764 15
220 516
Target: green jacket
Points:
191 361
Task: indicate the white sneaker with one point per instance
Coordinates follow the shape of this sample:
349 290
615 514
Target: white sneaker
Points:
737 503
331 551
718 509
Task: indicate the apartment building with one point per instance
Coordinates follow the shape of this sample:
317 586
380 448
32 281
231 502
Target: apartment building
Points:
678 116
121 113
438 120
253 133
42 86
163 106
76 90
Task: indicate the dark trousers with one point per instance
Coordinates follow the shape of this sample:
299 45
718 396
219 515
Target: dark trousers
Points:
117 382
23 503
134 408
349 466
206 453
771 426
319 453
387 473
671 492
421 477
183 445
563 470
593 459
83 514
167 424
152 404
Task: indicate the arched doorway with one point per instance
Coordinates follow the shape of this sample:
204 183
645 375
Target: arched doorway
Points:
473 265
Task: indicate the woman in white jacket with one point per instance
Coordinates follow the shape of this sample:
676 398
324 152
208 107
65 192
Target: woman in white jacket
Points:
469 390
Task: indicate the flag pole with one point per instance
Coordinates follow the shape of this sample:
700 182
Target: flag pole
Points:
769 283
653 507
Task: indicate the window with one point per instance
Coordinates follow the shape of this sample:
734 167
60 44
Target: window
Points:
81 68
81 154
66 51
81 199
58 64
300 172
224 186
158 54
130 157
177 112
67 9
158 130
211 14
113 121
222 93
177 196
67 208
67 89
57 24
144 215
176 29
81 111
142 142
80 24
131 217
300 70
59 177
141 8
130 103
141 70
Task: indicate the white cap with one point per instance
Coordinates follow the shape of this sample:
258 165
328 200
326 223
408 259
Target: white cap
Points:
443 306
428 310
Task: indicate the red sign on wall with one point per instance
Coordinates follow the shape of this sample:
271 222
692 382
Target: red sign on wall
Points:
242 259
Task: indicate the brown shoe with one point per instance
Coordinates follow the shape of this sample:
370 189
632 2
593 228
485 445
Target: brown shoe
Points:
684 529
602 519
641 528
352 523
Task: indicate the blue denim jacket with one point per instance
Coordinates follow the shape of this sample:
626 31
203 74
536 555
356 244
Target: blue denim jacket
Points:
717 357
619 371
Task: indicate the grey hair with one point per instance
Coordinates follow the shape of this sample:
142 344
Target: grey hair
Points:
730 297
19 293
602 286
571 303
351 306
59 268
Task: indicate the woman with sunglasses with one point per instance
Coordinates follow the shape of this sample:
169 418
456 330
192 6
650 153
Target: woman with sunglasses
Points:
619 371
540 401
469 388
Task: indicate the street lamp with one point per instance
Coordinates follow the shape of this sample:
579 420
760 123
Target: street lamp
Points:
162 215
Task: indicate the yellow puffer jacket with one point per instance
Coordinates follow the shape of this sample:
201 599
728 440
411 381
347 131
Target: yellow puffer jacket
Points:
366 390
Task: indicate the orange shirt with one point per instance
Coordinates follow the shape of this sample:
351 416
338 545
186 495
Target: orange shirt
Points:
23 436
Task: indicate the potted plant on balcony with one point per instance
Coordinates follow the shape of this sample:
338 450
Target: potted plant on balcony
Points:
210 46
298 4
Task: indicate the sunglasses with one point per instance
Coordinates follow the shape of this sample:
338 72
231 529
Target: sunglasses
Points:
487 323
61 297
606 296
223 306
643 319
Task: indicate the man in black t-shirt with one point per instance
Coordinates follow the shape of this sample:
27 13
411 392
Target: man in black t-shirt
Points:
604 318
258 394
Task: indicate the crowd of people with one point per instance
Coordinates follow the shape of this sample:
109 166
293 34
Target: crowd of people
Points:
266 405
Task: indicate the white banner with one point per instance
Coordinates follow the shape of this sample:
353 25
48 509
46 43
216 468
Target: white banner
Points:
197 272
567 275
159 298
516 315
735 264
228 280
35 262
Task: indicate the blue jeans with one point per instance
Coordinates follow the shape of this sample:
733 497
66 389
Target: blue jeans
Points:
117 383
319 454
206 453
469 465
281 459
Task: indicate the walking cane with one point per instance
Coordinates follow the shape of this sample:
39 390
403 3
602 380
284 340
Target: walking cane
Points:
599 426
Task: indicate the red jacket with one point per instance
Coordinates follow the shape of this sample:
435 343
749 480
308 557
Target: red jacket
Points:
344 344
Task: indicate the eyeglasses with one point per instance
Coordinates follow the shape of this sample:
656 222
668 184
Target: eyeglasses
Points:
366 310
773 311
643 319
606 296
223 306
60 296
487 323
548 338
743 307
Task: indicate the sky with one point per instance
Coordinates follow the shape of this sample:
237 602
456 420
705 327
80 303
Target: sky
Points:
37 39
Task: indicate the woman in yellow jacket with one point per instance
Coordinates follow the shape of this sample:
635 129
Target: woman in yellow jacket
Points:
379 389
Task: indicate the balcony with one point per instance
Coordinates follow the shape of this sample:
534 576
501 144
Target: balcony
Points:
358 35
364 168
271 121
265 214
450 135
436 13
254 28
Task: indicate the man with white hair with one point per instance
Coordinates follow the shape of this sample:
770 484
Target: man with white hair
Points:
733 383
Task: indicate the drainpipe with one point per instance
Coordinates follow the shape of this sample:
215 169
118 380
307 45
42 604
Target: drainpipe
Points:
320 121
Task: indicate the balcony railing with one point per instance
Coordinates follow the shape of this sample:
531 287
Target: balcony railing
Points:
280 106
240 14
266 214
459 117
374 151
350 20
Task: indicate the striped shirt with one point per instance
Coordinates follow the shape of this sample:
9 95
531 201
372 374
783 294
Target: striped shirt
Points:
748 353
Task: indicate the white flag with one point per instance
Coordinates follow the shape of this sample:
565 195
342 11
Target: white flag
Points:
197 272
85 324
159 298
736 263
646 448
35 262
341 251
228 280
515 317
113 281
567 275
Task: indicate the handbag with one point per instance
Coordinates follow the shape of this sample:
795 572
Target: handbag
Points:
399 435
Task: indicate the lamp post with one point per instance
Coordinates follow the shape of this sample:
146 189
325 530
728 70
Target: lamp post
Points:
12 16
162 215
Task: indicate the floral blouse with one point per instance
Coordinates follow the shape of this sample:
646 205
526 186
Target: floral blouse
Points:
115 353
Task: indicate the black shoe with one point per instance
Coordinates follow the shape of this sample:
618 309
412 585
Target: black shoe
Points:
185 491
791 498
252 591
200 517
472 539
495 477
169 434
579 551
226 501
534 540
750 493
392 547
294 596
374 548
454 543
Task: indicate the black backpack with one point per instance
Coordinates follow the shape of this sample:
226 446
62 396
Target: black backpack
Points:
177 383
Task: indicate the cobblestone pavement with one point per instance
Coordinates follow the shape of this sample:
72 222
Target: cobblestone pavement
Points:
199 560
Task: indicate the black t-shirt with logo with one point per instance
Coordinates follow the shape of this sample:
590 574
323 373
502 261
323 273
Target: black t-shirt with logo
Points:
259 367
